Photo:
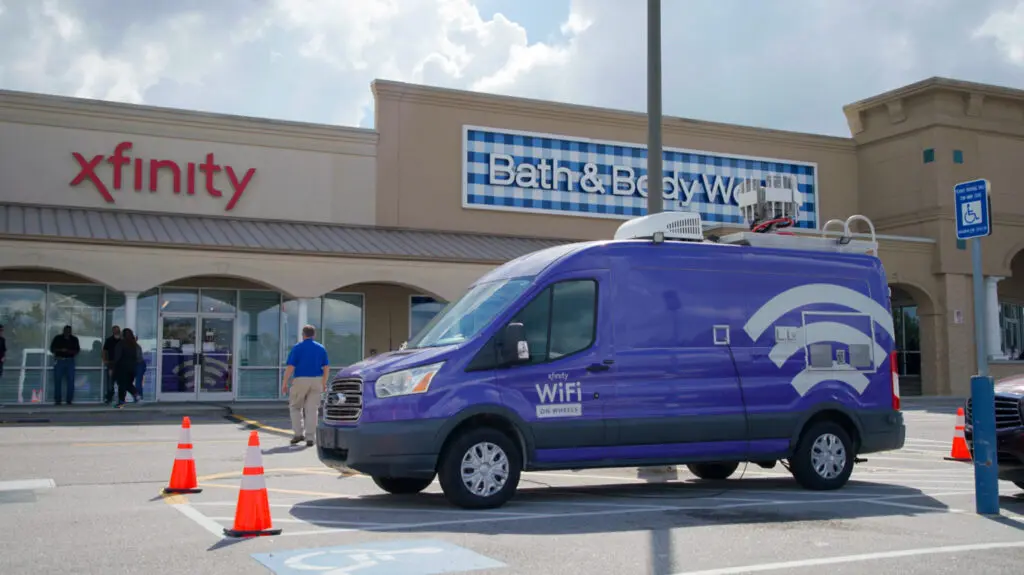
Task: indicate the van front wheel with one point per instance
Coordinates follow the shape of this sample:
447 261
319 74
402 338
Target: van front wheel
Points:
713 471
823 459
480 469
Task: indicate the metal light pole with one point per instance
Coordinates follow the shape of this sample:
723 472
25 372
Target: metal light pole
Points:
655 200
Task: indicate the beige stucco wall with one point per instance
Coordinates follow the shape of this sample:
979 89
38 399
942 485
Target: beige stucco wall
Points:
125 268
420 167
300 172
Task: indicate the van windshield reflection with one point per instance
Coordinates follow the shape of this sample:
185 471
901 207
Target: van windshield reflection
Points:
463 319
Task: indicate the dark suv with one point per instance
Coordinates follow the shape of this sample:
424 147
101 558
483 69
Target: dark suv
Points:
1009 428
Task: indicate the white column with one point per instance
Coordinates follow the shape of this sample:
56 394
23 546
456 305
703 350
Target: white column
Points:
993 343
131 309
303 315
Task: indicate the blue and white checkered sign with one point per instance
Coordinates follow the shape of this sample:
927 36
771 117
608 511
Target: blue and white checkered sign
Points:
542 173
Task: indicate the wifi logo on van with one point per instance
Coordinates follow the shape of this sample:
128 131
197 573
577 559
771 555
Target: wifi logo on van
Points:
857 354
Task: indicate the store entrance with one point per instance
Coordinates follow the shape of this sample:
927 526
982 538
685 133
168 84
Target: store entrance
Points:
196 357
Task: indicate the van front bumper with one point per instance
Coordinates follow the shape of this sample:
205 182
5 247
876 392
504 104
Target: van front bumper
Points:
387 449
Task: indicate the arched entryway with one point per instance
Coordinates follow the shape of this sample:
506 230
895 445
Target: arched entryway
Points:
35 305
913 318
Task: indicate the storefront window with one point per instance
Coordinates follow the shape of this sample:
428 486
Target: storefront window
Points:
1011 318
422 309
259 321
23 315
908 340
256 383
342 331
179 300
218 301
81 307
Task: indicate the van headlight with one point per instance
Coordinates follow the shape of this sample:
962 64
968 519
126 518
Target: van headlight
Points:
407 381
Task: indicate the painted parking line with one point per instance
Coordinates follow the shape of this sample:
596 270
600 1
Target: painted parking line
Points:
28 484
762 567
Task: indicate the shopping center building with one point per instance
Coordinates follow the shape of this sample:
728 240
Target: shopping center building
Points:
216 237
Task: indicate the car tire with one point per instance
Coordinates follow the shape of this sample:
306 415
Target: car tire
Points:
713 471
811 464
470 450
402 485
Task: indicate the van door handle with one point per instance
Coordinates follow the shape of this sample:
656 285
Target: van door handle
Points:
598 367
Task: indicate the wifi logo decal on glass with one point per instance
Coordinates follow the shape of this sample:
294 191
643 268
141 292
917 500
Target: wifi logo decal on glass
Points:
839 345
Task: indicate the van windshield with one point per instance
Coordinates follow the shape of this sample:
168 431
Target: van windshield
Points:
463 319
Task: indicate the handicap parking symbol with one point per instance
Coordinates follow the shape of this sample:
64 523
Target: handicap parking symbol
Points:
971 213
422 557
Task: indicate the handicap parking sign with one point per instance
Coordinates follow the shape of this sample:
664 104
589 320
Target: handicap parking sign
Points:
973 209
418 557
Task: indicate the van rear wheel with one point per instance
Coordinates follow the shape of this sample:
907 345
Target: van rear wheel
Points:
713 471
824 456
480 469
402 485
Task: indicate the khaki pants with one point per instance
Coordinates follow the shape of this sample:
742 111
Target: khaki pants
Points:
304 396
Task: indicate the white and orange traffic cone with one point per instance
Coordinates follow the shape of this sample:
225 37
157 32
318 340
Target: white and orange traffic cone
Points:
252 513
37 396
959 451
183 474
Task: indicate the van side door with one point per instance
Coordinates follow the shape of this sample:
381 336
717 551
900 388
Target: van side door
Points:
677 391
560 393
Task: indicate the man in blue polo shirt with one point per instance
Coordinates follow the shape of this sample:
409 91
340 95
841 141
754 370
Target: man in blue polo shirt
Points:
307 362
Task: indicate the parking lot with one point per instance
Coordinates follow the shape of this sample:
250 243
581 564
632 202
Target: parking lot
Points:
905 512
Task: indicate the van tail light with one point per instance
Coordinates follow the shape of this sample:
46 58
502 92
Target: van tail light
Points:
895 381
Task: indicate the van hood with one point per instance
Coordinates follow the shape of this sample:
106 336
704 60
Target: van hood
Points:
1011 385
373 367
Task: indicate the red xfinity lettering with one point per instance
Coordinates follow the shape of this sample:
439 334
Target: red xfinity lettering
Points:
87 170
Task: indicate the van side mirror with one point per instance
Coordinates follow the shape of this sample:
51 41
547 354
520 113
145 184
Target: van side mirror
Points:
514 348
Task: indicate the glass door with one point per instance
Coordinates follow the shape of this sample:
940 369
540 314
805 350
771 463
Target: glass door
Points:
196 358
178 358
216 358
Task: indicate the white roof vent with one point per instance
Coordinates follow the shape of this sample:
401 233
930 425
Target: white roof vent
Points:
671 225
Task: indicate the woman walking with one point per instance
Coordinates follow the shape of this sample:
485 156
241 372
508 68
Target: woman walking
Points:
127 356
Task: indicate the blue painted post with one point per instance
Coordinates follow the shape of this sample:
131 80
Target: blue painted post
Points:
983 408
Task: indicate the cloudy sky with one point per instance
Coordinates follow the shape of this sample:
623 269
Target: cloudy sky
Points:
787 64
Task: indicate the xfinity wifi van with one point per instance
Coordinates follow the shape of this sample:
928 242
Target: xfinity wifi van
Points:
656 348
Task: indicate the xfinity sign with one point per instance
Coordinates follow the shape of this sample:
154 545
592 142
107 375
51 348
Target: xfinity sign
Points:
540 173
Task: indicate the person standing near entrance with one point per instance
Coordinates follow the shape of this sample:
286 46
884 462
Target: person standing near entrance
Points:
109 345
308 363
3 350
64 348
127 355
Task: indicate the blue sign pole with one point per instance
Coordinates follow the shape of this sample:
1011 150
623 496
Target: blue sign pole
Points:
973 222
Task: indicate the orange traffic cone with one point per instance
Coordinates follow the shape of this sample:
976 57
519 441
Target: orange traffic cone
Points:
252 513
37 396
183 474
959 452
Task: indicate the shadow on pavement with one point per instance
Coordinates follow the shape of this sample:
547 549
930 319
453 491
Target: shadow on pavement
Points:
679 512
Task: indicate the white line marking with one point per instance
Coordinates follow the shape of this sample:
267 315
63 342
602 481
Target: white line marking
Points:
27 484
604 512
197 516
921 439
917 507
855 558
344 507
317 522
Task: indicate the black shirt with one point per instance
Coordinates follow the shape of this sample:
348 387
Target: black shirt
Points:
109 345
65 347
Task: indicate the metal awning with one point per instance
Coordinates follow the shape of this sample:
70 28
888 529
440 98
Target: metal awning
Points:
209 232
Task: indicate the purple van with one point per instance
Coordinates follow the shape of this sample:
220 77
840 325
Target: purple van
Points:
656 348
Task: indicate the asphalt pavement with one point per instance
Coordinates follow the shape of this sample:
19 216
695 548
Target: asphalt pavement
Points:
87 500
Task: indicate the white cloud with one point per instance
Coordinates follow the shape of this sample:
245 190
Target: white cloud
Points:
1006 27
789 64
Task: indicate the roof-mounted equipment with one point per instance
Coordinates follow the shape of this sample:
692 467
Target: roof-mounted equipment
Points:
775 204
678 226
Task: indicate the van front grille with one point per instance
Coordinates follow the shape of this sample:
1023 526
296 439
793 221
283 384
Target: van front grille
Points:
344 401
1008 413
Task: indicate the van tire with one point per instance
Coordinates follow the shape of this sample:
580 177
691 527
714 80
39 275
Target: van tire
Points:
476 440
815 445
402 485
713 471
